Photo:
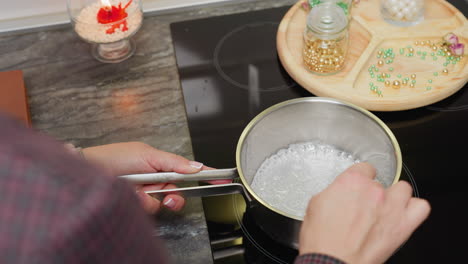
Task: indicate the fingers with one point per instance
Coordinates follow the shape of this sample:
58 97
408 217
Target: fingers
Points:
399 194
174 202
356 175
152 205
416 212
219 181
165 161
361 169
149 204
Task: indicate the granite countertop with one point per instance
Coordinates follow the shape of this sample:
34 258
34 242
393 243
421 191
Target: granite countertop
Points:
77 99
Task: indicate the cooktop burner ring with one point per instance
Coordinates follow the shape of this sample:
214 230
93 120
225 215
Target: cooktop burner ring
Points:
253 71
257 244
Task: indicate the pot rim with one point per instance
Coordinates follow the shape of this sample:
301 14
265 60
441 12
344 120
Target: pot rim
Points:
275 107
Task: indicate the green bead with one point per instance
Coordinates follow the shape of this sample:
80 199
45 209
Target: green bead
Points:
399 75
372 75
432 53
424 53
429 81
458 59
436 73
445 64
384 56
379 92
402 51
419 52
411 54
413 81
451 58
428 88
406 79
388 75
454 62
390 69
372 88
371 83
377 69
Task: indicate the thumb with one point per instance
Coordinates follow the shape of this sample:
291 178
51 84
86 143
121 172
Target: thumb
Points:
168 162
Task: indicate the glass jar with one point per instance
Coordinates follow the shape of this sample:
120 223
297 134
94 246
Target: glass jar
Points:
402 13
325 39
108 25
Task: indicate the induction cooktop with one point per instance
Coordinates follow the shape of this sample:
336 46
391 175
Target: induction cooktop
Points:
229 71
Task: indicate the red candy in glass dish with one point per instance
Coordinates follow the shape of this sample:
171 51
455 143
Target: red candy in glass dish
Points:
108 25
110 14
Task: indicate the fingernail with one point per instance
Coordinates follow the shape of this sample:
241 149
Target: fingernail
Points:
196 164
170 203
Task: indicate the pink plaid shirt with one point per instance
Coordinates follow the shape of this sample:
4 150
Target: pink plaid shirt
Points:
55 208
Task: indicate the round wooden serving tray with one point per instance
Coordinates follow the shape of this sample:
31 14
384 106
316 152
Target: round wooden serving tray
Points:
369 34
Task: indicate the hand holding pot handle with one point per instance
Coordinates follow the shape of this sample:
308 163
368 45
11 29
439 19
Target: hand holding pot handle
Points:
356 220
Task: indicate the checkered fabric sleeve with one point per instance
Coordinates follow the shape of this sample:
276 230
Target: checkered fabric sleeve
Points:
315 258
56 208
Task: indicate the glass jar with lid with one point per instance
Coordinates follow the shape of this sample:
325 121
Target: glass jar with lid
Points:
326 39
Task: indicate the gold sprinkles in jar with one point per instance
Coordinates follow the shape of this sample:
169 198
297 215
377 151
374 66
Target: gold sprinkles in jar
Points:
323 57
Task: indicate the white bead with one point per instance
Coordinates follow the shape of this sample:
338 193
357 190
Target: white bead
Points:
406 11
399 16
394 10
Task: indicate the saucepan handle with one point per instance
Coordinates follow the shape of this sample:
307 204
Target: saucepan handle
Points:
205 175
204 191
196 191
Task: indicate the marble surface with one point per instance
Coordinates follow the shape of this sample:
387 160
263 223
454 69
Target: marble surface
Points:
77 99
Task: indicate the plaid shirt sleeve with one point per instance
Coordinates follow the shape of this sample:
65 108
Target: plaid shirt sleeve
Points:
56 208
315 258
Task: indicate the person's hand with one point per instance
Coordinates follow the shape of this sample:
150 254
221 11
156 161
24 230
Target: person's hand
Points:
356 220
137 157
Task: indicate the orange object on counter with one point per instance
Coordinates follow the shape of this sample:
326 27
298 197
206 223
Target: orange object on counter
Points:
13 97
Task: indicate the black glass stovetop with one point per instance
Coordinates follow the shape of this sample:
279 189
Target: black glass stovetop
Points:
230 71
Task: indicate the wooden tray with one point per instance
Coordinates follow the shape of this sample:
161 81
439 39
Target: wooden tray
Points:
369 34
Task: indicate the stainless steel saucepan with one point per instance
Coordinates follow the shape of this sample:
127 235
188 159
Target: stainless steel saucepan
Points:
343 125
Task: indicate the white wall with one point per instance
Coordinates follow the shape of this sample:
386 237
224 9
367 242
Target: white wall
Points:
24 14
11 9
